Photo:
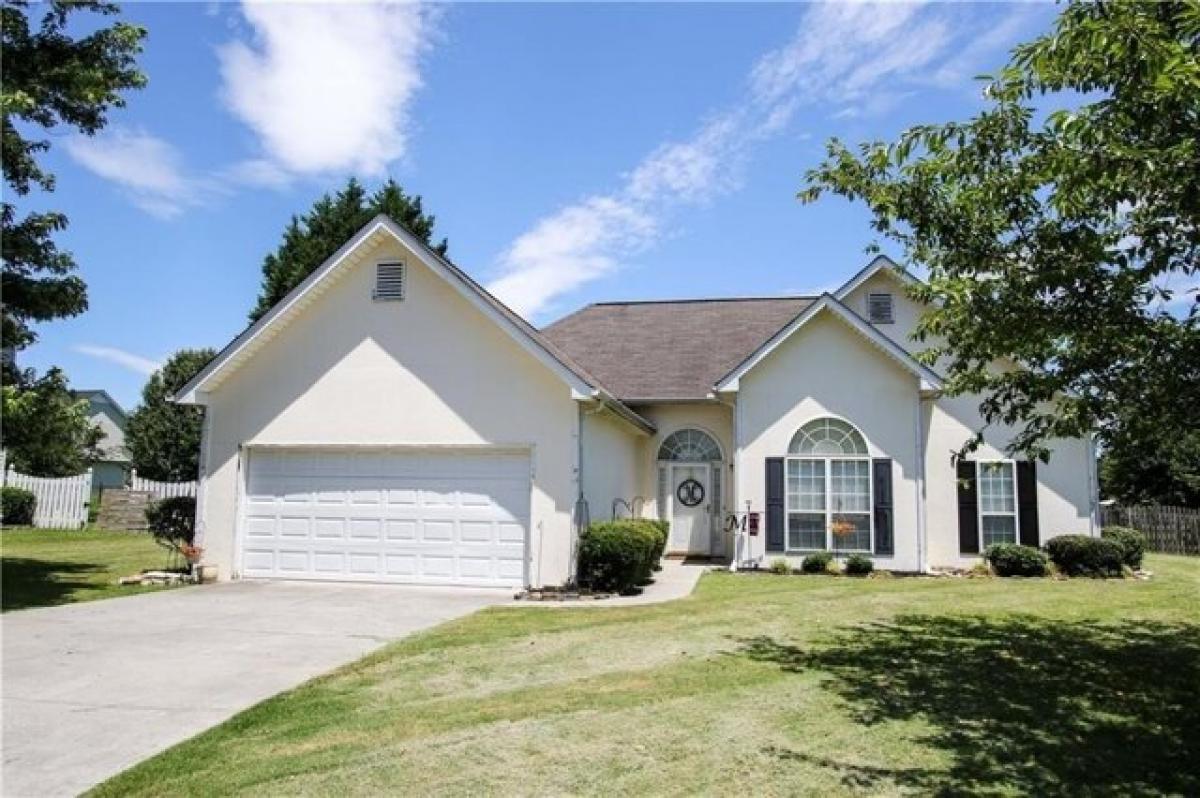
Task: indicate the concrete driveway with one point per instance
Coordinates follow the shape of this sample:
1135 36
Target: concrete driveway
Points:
90 689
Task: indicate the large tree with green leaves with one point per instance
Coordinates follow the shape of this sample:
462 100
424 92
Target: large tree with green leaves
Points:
163 438
47 431
1056 227
51 78
310 239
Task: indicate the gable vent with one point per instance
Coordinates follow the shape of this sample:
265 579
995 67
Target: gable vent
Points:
879 309
389 281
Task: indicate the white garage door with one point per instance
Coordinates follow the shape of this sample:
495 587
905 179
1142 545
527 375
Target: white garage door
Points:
386 516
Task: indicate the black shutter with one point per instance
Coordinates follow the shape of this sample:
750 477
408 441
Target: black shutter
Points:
968 508
775 512
881 473
1027 502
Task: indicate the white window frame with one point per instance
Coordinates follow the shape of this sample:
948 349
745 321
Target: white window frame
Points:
1016 511
829 511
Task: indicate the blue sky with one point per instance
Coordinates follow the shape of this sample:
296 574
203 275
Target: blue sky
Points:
571 153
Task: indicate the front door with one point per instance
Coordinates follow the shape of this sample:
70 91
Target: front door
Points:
690 507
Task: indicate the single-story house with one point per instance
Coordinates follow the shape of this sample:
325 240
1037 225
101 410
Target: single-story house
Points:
390 420
112 469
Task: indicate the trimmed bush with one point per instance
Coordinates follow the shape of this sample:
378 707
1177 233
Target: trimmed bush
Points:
17 506
1013 559
173 519
1133 543
780 566
859 565
817 562
618 555
1082 555
661 529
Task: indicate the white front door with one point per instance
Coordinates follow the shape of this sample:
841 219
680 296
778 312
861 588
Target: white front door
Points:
691 503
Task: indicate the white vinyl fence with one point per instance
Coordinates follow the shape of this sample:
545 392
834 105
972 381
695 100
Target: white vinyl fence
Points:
61 503
161 490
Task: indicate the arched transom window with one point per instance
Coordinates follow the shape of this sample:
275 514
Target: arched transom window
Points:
691 446
828 488
828 437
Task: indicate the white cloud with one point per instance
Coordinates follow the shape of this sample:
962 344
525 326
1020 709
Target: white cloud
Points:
146 167
325 86
128 360
854 56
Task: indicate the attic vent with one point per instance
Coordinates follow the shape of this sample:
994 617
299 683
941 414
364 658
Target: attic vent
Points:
879 309
389 281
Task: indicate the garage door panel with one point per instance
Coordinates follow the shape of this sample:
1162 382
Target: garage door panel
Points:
437 531
438 518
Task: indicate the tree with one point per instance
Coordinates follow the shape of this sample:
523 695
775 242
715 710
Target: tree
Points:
309 240
1053 225
50 78
163 438
47 432
1165 471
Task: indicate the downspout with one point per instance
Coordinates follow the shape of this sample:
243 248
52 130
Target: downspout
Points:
1093 486
581 505
922 530
739 538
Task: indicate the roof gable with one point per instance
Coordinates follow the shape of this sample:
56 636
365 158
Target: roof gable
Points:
830 304
245 345
881 263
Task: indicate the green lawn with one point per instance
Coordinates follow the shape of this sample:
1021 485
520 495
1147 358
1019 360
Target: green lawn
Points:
44 567
754 685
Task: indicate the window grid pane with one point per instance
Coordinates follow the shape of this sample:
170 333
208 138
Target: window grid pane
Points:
852 532
849 486
806 530
999 529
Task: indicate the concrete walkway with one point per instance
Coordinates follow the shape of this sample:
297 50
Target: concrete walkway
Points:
91 689
676 580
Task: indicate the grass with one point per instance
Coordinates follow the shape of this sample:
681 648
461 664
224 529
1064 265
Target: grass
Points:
47 567
766 685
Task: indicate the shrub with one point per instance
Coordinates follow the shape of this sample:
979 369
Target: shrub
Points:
859 565
1013 559
661 530
817 563
618 555
173 520
1133 543
17 506
781 566
1082 555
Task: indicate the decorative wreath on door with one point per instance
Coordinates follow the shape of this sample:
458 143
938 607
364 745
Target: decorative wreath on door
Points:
690 493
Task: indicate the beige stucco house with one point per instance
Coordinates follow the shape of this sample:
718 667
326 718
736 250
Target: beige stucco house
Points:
389 420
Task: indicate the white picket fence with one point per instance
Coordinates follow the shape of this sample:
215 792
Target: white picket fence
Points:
161 490
61 503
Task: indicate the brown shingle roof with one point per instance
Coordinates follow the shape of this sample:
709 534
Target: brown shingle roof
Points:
671 349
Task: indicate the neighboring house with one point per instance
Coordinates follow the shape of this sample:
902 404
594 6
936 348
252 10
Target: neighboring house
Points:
111 469
389 420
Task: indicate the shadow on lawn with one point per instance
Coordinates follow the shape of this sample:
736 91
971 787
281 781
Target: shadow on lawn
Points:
1020 703
30 583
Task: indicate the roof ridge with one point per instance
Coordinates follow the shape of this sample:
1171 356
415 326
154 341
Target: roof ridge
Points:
610 303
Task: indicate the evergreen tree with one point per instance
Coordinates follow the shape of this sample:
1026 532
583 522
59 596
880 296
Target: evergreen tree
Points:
163 438
309 240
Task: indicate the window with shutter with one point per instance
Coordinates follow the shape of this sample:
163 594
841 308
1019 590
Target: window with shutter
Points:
389 282
880 309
